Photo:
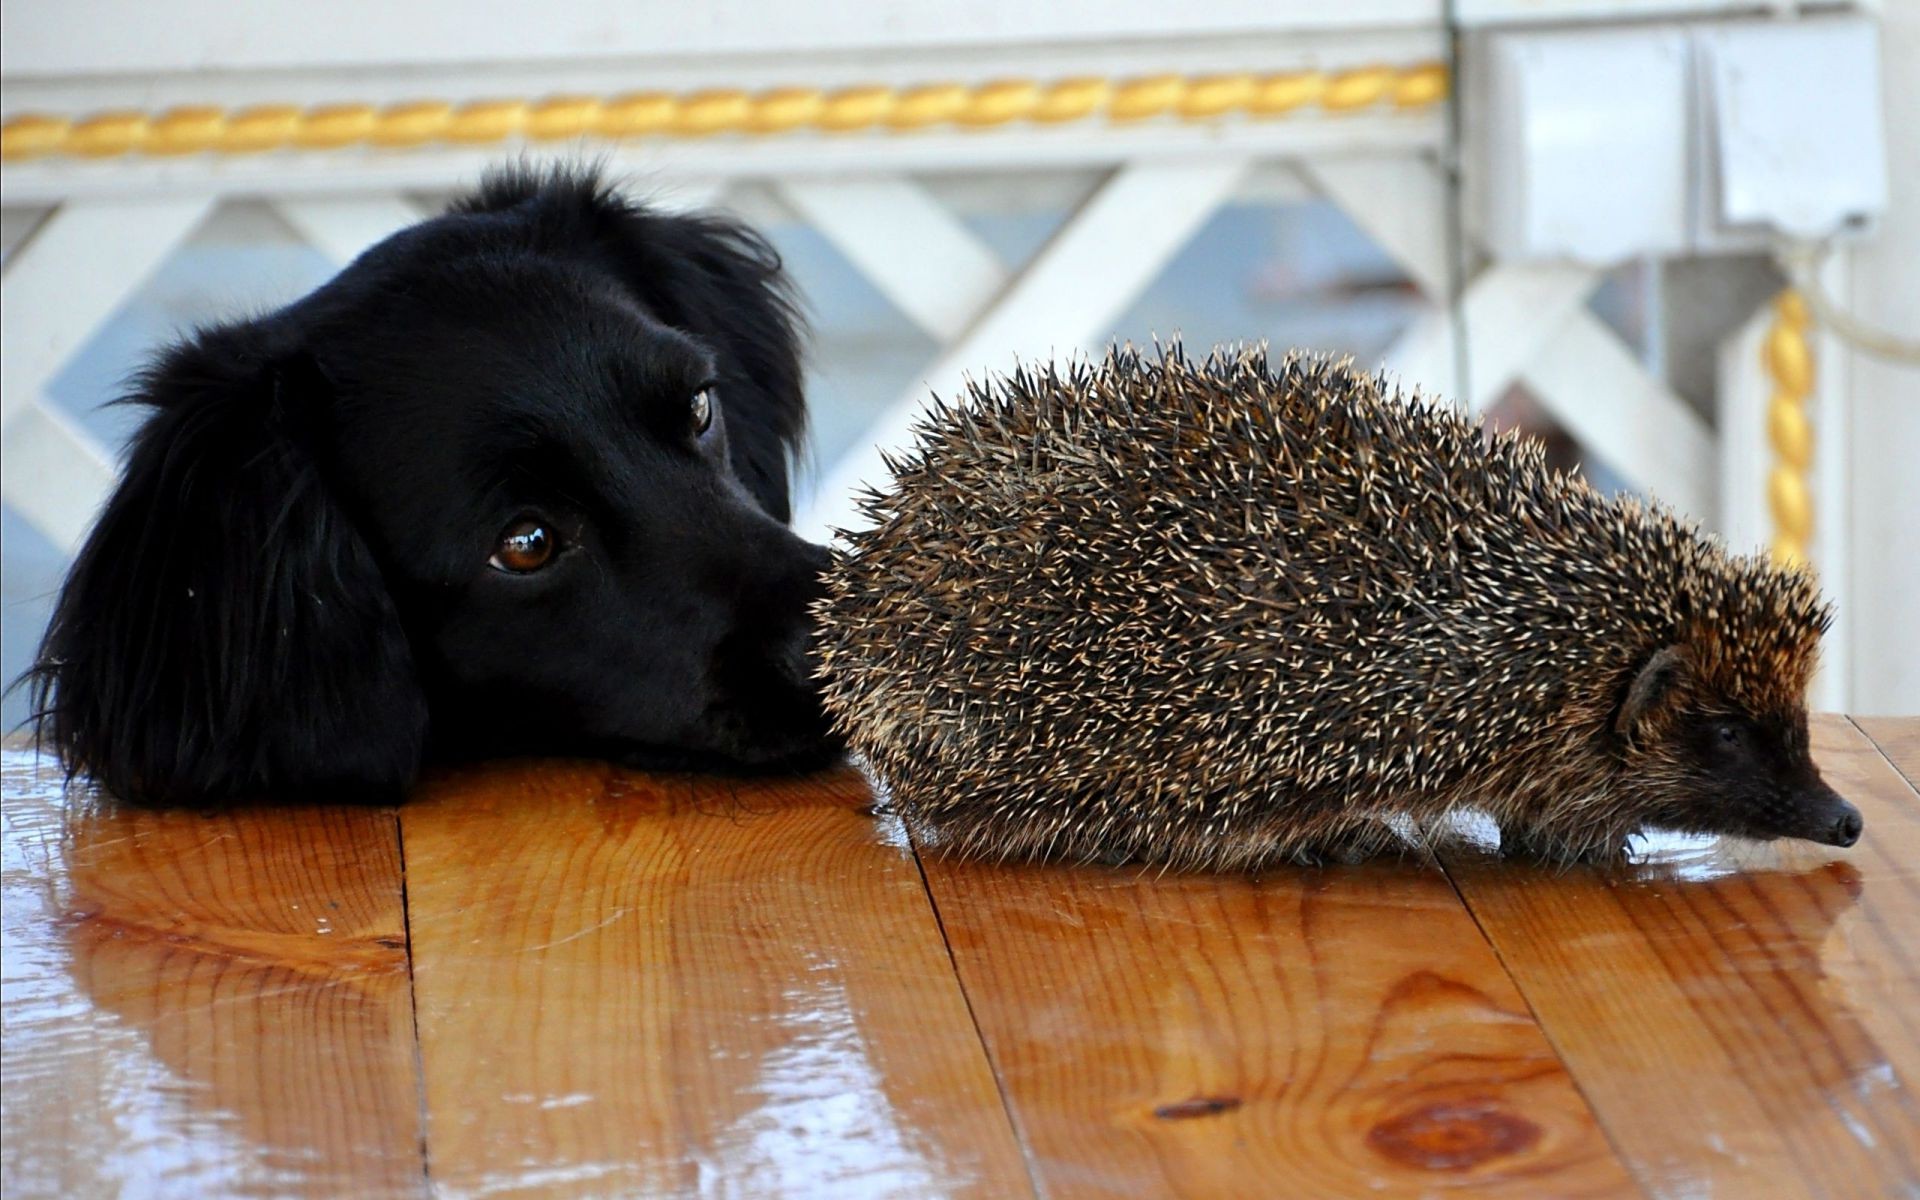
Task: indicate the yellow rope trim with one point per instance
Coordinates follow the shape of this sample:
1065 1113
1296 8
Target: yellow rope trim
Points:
205 129
1787 357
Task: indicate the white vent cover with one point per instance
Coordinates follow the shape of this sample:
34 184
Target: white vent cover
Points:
1600 144
1790 129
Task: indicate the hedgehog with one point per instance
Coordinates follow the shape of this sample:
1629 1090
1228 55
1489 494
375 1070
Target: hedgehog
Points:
1231 615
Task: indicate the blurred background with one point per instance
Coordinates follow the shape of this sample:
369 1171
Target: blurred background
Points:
1680 240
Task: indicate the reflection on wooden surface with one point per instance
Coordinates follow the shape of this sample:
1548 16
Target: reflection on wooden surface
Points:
1741 1017
1898 738
647 985
635 984
1328 1033
201 1006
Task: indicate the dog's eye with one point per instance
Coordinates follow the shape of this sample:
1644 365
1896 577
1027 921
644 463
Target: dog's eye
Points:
701 410
526 545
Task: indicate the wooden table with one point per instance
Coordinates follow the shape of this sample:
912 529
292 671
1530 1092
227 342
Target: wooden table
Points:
563 978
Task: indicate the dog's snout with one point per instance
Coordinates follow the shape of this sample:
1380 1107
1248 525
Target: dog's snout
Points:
818 557
803 563
813 561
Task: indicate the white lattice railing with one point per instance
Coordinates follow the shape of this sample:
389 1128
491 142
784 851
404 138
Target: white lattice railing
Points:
129 151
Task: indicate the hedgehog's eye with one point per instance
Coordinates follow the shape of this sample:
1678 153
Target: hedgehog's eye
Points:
1728 733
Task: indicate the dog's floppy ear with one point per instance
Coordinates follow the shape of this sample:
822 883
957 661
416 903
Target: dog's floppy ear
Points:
723 283
225 633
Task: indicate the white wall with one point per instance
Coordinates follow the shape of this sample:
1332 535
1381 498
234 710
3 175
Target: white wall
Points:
1886 404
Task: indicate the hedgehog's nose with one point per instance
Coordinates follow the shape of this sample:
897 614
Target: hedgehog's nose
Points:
1846 828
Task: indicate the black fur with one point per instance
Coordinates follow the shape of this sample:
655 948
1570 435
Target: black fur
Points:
290 592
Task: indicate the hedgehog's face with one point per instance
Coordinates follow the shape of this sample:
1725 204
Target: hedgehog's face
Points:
1755 777
1712 767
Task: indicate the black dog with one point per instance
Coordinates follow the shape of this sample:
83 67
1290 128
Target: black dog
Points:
513 482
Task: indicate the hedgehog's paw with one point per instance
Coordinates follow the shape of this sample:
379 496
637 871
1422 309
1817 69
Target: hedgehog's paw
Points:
1110 855
1337 854
1347 845
1569 847
1308 856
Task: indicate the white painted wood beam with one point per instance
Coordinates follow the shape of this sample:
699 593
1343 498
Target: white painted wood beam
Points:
1511 311
1017 148
1063 301
1836 549
920 256
1598 392
1570 360
72 275
341 227
1399 201
17 224
54 474
1741 516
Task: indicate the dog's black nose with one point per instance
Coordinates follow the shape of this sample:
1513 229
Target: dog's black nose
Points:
1847 827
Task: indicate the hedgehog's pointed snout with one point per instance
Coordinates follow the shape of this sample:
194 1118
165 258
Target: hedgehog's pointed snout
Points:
1846 827
1831 821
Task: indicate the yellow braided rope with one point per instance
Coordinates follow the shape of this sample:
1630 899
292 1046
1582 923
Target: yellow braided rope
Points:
1787 357
200 129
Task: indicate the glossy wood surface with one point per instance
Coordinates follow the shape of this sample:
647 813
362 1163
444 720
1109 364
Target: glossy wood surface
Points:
1745 1020
640 985
1341 1032
1898 739
202 1006
630 984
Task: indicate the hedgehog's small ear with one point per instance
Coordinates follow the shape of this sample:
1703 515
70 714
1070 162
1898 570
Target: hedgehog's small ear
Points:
1651 687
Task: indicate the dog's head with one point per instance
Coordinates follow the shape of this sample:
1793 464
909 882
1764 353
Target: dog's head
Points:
513 482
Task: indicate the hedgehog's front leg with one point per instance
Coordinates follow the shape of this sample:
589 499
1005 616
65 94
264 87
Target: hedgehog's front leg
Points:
1562 843
1338 838
1346 843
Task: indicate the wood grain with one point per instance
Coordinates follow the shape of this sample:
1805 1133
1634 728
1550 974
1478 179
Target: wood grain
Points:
203 1005
643 985
633 984
1318 1033
1743 1019
1899 739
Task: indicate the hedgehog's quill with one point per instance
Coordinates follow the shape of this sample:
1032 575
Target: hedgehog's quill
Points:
1229 615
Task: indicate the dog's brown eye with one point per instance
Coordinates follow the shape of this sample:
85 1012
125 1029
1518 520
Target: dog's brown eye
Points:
701 409
524 546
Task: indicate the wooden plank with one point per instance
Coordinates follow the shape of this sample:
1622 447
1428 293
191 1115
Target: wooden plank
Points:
641 985
1317 1033
1745 1020
1899 739
203 1005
